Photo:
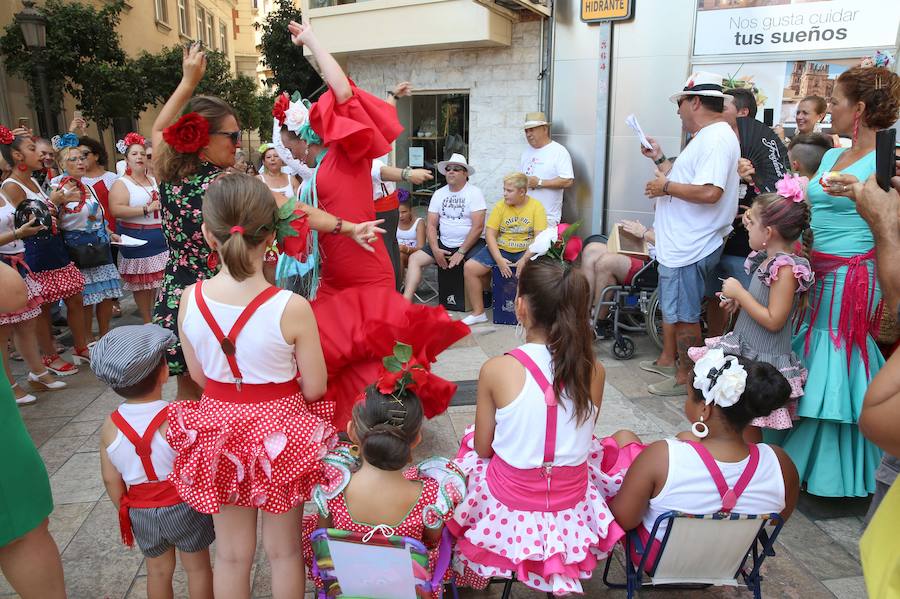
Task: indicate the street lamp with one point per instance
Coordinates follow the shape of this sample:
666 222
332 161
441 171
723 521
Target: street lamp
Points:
34 29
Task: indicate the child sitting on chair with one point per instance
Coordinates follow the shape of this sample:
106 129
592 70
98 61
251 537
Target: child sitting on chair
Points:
136 460
687 474
372 487
510 229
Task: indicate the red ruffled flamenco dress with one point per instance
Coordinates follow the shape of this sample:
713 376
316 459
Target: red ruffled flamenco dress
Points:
359 313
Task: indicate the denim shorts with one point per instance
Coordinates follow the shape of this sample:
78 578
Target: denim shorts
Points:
728 266
681 289
484 256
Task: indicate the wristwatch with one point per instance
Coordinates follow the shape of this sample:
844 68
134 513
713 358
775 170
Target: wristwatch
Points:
540 183
662 158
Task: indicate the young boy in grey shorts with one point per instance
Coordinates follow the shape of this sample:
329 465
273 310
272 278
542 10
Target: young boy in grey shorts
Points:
136 459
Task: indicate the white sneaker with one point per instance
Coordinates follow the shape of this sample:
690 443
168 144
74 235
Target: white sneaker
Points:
475 319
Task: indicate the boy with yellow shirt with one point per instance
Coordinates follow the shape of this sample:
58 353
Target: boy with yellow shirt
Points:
510 229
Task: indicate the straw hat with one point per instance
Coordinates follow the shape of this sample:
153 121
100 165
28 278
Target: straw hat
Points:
535 119
458 160
701 83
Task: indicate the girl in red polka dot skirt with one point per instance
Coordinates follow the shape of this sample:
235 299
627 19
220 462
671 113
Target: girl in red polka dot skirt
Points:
412 501
538 479
251 443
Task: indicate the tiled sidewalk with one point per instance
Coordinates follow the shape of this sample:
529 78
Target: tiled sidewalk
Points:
817 551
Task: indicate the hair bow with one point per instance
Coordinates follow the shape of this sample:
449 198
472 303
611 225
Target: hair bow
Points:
720 378
792 187
6 136
559 242
69 140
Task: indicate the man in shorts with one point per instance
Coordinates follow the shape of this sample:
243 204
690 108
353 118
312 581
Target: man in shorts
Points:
696 200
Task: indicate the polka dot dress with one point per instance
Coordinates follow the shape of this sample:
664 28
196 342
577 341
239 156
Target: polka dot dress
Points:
548 551
265 455
60 283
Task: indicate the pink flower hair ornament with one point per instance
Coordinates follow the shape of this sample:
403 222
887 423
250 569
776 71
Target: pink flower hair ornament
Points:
792 187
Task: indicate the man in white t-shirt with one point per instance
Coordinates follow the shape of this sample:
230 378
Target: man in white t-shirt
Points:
454 226
547 165
696 202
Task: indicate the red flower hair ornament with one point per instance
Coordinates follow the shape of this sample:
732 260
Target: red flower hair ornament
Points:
402 374
282 103
6 136
188 134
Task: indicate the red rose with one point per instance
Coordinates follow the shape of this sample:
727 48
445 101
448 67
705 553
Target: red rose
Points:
6 136
188 134
572 249
387 382
134 139
282 103
295 245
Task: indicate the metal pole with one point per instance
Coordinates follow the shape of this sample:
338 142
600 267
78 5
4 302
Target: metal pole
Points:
601 132
49 121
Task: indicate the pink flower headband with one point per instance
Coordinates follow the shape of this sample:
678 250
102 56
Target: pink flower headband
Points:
792 187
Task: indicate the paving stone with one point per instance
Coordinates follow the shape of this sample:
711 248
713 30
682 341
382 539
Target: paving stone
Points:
79 429
56 451
816 550
101 407
848 588
78 480
66 520
845 532
460 364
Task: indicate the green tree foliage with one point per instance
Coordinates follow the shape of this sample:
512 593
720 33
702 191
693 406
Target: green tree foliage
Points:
290 70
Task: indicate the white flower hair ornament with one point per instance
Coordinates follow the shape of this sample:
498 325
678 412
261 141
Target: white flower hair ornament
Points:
291 112
720 378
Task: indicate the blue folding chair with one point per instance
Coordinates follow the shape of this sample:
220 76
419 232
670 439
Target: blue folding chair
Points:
719 549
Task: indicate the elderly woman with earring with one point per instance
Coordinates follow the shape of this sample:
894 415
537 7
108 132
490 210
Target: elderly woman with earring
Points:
834 338
134 202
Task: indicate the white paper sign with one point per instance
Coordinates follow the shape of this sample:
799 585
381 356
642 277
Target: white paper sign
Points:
416 156
632 122
372 571
834 24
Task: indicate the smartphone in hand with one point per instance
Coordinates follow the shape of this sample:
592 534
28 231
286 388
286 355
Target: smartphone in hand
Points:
885 157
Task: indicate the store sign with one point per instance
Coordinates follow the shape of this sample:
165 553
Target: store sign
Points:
595 11
810 26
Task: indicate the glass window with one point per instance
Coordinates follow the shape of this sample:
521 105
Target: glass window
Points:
437 126
223 38
162 10
183 23
210 37
201 22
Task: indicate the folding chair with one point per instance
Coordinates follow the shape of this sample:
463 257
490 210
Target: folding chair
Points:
376 565
715 549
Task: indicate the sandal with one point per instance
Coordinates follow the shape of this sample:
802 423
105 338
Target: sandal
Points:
38 384
81 356
64 368
25 399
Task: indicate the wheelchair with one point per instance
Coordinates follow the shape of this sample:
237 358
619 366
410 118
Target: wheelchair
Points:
633 308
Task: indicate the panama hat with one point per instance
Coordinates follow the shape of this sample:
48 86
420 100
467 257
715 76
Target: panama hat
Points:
535 119
701 83
457 159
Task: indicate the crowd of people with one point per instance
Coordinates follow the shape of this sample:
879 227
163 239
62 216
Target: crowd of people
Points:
283 398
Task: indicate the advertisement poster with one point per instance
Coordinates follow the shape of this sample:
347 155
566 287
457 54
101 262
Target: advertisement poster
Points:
752 26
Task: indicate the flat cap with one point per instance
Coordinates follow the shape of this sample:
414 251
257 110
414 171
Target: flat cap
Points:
128 354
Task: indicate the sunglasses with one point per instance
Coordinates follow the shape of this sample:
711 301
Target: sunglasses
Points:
234 136
455 169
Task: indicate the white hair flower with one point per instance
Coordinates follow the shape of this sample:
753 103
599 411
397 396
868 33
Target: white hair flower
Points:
296 116
543 241
720 378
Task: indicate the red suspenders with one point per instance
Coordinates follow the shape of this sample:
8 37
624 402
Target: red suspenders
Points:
227 342
141 444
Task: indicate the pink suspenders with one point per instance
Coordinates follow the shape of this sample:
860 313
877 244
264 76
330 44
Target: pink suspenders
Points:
729 495
551 401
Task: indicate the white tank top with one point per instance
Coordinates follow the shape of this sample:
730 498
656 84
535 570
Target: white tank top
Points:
8 225
519 435
262 354
287 190
29 194
122 453
689 487
139 196
408 237
90 218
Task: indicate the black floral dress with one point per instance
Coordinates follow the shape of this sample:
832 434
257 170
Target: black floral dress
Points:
188 253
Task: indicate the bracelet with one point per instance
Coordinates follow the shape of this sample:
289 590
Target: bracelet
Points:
404 174
666 187
338 226
391 93
662 158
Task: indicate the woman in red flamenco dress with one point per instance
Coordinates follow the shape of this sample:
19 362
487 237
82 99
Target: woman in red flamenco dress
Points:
359 313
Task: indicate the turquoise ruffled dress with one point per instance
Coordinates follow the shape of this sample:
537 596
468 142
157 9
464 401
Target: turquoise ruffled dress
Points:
831 455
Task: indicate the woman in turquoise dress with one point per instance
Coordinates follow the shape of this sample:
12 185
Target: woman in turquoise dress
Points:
834 338
29 557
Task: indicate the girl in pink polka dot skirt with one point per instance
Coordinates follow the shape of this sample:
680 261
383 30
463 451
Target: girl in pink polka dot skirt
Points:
538 479
251 444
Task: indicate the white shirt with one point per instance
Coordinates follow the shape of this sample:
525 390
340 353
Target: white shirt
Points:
687 232
522 424
549 162
454 210
107 177
122 453
379 186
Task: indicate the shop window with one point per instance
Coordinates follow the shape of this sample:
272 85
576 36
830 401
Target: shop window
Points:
435 127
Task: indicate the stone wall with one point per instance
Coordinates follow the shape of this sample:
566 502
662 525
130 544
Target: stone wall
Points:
502 83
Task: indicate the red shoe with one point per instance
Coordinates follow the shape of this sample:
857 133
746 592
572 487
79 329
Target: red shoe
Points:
66 369
81 356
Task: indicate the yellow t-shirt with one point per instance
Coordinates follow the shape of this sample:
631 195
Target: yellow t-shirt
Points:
516 226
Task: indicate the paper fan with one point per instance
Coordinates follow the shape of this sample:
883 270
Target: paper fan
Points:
764 149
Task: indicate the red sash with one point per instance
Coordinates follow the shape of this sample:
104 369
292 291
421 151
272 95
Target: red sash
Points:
154 493
227 342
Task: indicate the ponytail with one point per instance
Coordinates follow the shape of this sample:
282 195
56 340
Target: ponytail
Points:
558 298
386 427
240 212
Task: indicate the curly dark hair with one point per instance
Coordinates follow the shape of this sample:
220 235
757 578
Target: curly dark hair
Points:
878 88
95 147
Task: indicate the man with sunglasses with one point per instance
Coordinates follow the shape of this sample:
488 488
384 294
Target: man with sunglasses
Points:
454 226
695 200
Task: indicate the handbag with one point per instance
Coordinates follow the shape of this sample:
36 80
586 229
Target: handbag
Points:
90 255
